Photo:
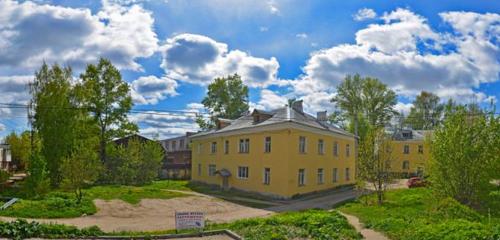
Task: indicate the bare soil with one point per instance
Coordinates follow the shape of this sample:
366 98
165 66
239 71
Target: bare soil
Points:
155 214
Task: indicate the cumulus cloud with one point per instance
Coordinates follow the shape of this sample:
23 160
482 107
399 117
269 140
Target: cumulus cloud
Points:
2 127
151 89
166 125
199 59
269 100
301 35
405 53
364 14
31 33
403 108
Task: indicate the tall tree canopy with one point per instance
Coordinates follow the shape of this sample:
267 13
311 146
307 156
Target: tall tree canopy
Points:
227 97
55 118
426 111
20 147
107 97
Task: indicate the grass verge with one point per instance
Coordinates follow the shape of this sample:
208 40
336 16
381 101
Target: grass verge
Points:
418 214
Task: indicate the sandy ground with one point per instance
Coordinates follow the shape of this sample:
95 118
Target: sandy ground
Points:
368 234
155 214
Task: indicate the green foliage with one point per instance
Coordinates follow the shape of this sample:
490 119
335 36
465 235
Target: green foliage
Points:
4 176
138 163
130 194
366 98
418 214
226 98
311 224
425 112
20 147
21 229
53 205
465 155
55 117
107 98
80 170
37 182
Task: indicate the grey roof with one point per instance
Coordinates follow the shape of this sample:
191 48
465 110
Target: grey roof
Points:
415 134
280 115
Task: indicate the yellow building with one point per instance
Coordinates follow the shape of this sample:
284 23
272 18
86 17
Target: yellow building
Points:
278 153
409 152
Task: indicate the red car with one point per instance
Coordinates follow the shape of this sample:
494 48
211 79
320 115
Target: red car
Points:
416 182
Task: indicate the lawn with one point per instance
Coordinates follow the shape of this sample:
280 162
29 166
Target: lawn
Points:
418 214
61 204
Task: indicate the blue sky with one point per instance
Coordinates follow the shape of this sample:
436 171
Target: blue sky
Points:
170 50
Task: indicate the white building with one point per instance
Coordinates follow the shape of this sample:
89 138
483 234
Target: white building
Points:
5 157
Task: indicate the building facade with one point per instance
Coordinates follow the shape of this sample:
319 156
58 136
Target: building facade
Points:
410 154
279 153
5 157
177 163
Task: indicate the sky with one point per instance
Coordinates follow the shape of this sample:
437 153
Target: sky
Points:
170 50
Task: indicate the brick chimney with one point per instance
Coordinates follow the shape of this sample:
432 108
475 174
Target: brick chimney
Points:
297 106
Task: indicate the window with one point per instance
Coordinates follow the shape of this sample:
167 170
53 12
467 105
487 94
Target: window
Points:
302 177
406 149
199 169
320 176
211 170
244 145
335 148
347 176
406 165
321 147
167 145
214 147
335 175
302 144
267 176
181 144
242 172
347 150
226 147
200 146
173 145
267 145
420 149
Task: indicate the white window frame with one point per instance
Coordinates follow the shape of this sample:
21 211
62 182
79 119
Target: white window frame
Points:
321 147
213 147
335 175
405 148
347 174
321 176
266 176
226 147
336 149
267 144
302 177
347 150
406 165
302 144
212 168
243 172
421 149
244 145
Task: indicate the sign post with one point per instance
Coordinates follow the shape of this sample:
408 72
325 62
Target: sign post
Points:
189 220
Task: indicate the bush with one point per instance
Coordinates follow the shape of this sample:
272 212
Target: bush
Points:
21 229
455 230
449 208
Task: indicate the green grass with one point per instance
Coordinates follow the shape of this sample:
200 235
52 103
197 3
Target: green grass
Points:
61 204
310 224
418 214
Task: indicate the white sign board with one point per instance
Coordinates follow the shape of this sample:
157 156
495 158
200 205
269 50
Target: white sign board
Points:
187 220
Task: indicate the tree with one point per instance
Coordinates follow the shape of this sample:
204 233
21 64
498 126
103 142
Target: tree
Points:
426 111
37 182
375 157
378 102
465 155
226 98
55 116
349 100
80 169
20 147
107 97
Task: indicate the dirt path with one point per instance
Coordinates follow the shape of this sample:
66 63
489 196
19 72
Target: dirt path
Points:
155 214
323 202
368 234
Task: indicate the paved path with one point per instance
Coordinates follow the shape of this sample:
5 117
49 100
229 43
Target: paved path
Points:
323 202
368 234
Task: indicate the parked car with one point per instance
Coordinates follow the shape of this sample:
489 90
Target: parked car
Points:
416 182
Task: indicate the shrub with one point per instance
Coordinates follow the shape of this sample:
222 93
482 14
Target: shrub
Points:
454 230
449 208
21 229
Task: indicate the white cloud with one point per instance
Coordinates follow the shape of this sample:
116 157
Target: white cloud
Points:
164 124
301 35
364 14
31 33
198 59
403 108
269 100
263 29
405 53
273 7
2 127
151 90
